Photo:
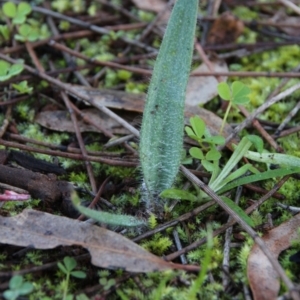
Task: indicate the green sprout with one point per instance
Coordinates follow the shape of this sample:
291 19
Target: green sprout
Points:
237 94
67 267
104 281
16 12
106 217
7 70
199 132
27 33
17 287
224 179
22 87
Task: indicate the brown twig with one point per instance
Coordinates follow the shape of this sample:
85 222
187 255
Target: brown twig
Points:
110 64
67 148
111 162
72 91
87 25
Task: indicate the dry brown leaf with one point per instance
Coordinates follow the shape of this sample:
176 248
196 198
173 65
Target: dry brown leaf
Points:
150 5
201 89
60 120
113 99
262 277
281 17
225 29
108 249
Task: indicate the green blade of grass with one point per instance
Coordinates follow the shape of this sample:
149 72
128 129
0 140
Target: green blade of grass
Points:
258 177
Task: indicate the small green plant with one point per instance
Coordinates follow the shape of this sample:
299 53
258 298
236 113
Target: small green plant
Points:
106 217
17 287
28 29
7 70
67 267
237 94
22 87
17 12
27 33
163 120
224 179
104 281
207 142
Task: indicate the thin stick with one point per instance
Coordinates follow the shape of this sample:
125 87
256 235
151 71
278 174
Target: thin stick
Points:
70 90
246 227
90 26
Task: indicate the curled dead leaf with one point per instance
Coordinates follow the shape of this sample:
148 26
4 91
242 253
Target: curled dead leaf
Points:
225 29
108 249
262 277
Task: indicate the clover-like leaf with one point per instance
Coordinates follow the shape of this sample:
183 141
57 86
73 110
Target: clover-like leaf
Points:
24 8
70 263
9 9
16 282
78 274
4 67
224 91
62 267
196 153
198 126
26 288
19 19
240 93
16 69
25 29
213 154
191 133
208 166
7 70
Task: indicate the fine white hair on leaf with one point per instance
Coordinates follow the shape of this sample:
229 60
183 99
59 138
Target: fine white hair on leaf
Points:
161 136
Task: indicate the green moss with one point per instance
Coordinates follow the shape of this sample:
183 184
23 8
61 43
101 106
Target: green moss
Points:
197 256
25 111
245 13
158 244
257 218
290 144
152 221
145 16
136 88
80 179
243 257
15 207
282 59
118 172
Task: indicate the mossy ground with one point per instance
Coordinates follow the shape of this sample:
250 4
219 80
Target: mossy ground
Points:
123 187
